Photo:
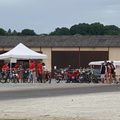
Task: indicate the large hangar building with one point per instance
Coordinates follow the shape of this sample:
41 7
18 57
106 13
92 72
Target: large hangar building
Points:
62 51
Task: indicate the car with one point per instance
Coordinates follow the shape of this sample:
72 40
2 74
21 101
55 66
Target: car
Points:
96 76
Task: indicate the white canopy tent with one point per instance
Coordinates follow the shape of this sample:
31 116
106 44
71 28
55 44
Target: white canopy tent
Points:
21 52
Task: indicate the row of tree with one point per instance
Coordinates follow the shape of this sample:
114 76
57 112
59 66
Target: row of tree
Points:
15 33
80 29
88 29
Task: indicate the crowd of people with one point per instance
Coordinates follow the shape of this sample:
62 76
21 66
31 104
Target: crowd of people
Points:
34 72
107 72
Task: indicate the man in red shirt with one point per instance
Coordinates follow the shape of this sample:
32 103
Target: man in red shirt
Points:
40 72
16 67
31 66
5 71
5 67
31 71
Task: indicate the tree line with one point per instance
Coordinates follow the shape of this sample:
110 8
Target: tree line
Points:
80 29
88 29
15 33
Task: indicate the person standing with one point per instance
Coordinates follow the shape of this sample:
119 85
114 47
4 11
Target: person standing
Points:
5 67
113 71
31 71
40 72
102 72
5 71
109 73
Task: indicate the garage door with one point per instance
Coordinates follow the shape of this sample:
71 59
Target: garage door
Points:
76 59
88 56
62 59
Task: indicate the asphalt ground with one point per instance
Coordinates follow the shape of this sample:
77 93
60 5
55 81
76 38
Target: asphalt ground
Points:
63 101
12 91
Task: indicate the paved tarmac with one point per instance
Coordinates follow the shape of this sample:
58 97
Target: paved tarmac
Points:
22 91
60 101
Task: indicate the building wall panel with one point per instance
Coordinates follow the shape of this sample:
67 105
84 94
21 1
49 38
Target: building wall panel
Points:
47 61
114 53
65 49
94 49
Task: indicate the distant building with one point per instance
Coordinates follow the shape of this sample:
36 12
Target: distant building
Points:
62 51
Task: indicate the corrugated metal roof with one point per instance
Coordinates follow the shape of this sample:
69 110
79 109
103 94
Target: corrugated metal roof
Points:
61 41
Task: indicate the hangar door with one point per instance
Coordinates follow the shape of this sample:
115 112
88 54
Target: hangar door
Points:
62 59
88 56
77 59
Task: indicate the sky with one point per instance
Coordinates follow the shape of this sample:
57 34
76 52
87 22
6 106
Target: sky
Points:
43 16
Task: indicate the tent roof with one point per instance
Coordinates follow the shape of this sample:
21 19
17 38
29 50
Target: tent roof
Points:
22 52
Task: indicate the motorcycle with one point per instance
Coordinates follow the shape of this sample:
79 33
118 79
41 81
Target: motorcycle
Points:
59 75
85 77
73 76
4 76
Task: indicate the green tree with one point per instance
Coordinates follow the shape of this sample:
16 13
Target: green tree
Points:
28 32
14 33
74 29
9 32
96 29
61 31
112 30
82 29
2 32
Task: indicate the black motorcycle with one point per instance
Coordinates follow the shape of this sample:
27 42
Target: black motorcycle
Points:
85 77
4 76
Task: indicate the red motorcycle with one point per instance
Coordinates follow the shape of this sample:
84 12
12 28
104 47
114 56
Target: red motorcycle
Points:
59 75
72 76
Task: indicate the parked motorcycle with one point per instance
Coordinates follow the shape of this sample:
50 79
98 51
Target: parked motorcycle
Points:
73 76
85 77
4 76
